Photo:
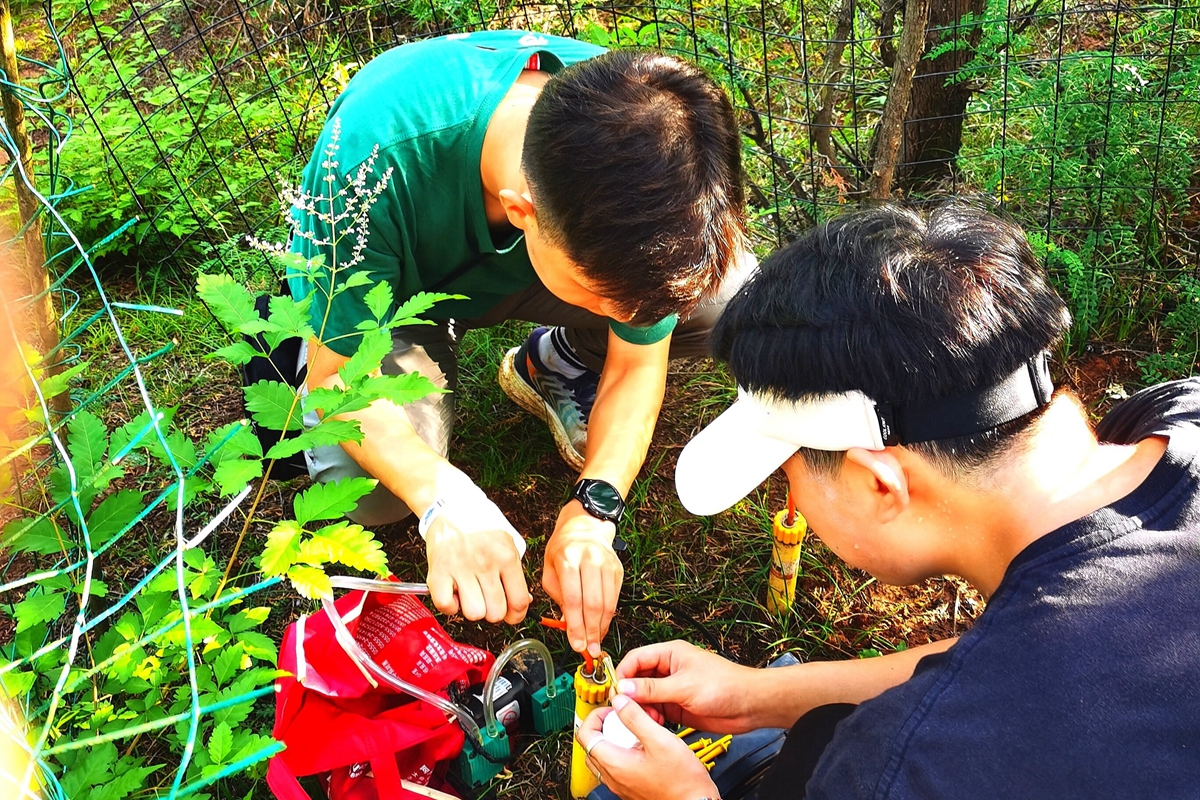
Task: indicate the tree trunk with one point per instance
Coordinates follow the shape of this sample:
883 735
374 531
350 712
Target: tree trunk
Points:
887 142
934 122
38 324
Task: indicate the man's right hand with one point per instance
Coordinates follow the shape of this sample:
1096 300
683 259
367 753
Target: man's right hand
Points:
690 686
475 569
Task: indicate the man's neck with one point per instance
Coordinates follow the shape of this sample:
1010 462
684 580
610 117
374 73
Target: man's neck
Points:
1062 475
500 161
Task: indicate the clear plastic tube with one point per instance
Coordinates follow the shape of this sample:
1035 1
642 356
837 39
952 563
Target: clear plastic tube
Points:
489 699
372 585
352 648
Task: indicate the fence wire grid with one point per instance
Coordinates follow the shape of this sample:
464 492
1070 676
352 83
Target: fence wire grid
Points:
162 131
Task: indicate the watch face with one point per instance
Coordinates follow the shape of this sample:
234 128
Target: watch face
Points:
603 498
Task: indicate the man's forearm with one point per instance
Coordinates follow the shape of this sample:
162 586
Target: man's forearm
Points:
779 697
623 417
400 459
391 450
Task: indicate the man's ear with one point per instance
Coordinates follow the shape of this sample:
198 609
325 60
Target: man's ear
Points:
519 208
887 480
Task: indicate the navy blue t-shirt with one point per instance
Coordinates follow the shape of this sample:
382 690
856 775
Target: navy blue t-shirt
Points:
1082 677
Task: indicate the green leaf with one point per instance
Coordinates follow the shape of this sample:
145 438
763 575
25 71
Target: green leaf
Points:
345 543
283 547
400 389
206 572
310 582
38 608
259 646
331 500
249 743
232 475
373 348
248 618
98 588
114 513
87 440
328 432
16 684
58 383
182 449
355 280
243 442
229 301
220 743
124 785
227 663
238 353
418 304
270 402
93 768
292 317
193 487
124 434
379 299
332 401
41 536
296 265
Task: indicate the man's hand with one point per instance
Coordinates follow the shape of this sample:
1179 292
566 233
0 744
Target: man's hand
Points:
475 567
639 773
583 575
690 686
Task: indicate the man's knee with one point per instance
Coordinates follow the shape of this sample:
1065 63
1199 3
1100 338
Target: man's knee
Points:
380 507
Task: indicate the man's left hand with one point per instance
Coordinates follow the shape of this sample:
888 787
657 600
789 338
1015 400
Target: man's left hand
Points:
583 575
639 773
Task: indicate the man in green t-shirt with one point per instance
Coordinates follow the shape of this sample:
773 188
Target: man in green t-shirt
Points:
545 180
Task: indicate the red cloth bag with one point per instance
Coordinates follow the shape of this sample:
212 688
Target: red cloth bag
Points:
358 733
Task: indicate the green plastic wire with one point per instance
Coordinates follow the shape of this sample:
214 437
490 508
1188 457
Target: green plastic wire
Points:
161 498
157 724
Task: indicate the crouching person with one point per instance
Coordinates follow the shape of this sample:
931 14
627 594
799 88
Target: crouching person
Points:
895 367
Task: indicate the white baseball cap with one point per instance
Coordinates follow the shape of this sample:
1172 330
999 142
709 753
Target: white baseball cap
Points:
755 435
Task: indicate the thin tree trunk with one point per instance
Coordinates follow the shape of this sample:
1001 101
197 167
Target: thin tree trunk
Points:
891 127
934 123
39 325
822 126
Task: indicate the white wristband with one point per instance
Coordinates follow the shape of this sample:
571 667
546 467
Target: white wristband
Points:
462 499
430 513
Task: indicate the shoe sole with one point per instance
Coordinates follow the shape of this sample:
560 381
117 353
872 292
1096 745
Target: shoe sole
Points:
524 395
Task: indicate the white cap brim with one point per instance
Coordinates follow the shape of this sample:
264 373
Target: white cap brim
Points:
758 433
727 460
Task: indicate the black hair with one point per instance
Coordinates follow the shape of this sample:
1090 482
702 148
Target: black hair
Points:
633 160
903 308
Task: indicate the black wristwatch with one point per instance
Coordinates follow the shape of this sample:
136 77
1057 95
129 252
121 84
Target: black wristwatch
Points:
600 499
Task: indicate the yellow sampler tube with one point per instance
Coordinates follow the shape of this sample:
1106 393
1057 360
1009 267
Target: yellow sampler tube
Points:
593 686
788 529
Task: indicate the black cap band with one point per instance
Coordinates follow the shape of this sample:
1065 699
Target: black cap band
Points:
1027 389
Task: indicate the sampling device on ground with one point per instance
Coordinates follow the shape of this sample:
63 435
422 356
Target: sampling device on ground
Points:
788 531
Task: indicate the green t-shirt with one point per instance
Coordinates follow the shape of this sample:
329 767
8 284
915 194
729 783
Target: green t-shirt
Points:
426 106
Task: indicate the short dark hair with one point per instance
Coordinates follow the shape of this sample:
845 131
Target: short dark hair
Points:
634 163
903 308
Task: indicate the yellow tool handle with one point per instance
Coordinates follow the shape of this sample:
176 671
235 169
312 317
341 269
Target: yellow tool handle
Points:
590 694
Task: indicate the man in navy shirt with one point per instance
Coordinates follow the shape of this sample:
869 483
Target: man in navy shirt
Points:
895 367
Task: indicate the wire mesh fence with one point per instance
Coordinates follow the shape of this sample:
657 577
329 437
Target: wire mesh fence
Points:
163 131
1081 118
81 620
